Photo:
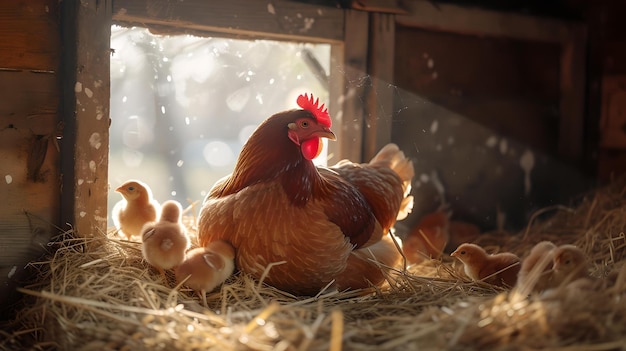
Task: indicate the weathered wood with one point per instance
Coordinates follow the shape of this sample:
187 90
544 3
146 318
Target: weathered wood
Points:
572 104
28 163
613 119
571 36
85 109
29 36
348 75
280 19
475 21
383 6
30 100
379 96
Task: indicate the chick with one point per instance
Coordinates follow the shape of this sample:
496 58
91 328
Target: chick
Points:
536 271
428 238
569 264
164 242
205 268
499 269
135 209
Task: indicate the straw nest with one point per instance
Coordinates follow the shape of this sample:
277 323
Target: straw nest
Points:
98 294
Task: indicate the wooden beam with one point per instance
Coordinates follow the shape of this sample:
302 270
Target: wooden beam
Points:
348 90
85 111
379 95
278 19
572 104
475 21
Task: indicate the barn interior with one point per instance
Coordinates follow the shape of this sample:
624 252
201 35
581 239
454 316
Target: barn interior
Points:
512 113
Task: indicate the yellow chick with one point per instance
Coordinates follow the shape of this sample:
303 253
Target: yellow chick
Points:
569 264
164 242
135 209
499 269
205 268
536 271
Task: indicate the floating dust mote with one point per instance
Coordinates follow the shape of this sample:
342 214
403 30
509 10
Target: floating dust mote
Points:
98 294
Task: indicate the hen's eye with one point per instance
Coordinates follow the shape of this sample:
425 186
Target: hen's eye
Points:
304 124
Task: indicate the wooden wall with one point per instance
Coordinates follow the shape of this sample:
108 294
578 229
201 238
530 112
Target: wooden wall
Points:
29 126
490 108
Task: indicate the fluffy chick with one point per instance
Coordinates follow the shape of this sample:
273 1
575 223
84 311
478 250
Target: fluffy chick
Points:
135 209
205 268
536 271
569 264
498 269
164 242
428 238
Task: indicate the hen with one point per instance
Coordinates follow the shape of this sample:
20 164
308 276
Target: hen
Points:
308 225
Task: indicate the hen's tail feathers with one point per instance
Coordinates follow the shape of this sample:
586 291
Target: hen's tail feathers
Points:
391 156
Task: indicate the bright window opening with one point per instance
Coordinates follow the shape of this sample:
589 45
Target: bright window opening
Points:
183 106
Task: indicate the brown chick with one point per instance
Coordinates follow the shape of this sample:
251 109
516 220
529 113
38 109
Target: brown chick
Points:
536 271
569 264
428 238
164 242
205 268
135 209
498 269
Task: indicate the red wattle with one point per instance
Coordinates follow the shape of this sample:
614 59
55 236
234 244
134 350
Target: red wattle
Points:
311 148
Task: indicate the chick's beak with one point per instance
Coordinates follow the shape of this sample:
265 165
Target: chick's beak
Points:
454 254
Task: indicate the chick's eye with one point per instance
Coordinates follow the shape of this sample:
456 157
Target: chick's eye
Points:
131 188
463 252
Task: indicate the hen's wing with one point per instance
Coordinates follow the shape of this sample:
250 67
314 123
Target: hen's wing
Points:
385 182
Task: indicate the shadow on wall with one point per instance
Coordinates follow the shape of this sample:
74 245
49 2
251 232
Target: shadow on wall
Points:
485 178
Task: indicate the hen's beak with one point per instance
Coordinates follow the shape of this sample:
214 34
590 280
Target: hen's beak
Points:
326 133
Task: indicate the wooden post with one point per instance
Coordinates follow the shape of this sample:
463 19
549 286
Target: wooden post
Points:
86 28
379 97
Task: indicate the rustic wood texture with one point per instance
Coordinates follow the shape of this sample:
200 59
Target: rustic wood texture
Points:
281 19
481 22
379 96
570 36
85 144
572 82
348 72
29 35
29 170
613 120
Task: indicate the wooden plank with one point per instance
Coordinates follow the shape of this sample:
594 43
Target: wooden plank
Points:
348 72
379 96
280 19
475 21
572 104
613 117
30 101
29 34
86 114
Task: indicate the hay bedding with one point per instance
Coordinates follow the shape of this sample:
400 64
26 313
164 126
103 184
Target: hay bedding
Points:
98 294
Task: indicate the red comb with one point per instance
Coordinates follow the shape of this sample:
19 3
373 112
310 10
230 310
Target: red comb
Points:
320 113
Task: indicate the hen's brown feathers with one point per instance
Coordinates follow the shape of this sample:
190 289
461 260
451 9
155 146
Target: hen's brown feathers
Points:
278 207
